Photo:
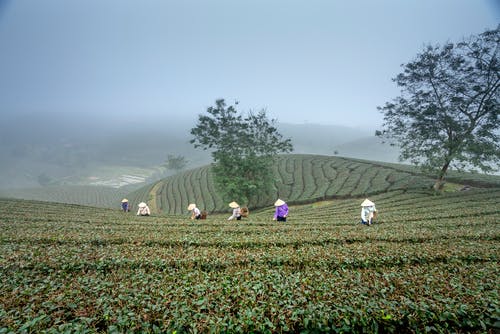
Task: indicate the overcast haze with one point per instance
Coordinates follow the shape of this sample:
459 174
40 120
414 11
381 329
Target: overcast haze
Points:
328 62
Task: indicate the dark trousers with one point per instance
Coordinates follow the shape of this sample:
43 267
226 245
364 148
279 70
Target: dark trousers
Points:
281 219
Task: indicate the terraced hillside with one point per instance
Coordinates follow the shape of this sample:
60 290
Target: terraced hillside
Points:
468 178
300 179
98 196
428 265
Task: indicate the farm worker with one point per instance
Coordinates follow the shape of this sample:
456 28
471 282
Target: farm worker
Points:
195 212
281 211
125 206
236 211
368 212
143 209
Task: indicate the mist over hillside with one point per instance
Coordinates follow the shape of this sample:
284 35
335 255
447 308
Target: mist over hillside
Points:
338 140
56 148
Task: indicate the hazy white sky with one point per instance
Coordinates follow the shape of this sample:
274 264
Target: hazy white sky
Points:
317 61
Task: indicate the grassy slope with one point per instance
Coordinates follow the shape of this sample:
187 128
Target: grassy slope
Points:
465 178
301 178
428 261
98 196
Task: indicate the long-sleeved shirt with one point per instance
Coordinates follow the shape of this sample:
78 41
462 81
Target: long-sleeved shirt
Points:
236 213
281 211
367 212
195 213
143 211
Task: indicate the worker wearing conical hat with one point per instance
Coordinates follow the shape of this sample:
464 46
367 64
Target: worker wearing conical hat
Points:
368 212
236 211
125 206
143 209
195 212
281 211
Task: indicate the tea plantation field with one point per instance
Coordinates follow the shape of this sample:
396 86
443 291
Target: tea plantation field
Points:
300 178
430 264
99 196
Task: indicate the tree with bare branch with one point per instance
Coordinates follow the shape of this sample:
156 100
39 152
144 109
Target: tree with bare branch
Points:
447 113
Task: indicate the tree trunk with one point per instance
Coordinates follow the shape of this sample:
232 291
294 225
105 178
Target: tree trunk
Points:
439 184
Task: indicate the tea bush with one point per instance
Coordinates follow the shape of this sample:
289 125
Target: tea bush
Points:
300 179
429 264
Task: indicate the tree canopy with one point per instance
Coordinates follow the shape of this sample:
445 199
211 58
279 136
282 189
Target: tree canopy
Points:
447 113
176 163
243 148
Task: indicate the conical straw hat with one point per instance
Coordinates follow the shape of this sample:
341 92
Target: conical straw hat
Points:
142 205
124 200
279 202
367 202
191 206
233 205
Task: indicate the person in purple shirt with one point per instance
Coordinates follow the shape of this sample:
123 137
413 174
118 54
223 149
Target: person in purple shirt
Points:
125 206
281 211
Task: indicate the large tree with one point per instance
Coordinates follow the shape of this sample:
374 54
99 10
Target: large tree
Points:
176 163
447 113
243 148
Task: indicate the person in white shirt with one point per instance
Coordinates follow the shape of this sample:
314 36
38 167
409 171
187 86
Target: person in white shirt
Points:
236 211
368 212
143 209
195 212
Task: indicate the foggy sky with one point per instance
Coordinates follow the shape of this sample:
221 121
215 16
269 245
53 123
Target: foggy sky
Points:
319 61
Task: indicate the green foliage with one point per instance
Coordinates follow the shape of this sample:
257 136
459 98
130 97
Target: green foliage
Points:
68 268
301 179
243 149
246 179
297 179
176 163
447 114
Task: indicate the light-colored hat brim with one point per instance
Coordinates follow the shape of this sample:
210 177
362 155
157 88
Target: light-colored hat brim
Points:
233 205
191 206
124 200
142 205
279 202
367 202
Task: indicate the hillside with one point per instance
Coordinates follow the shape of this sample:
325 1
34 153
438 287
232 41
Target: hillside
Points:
59 149
461 177
428 264
97 196
300 179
